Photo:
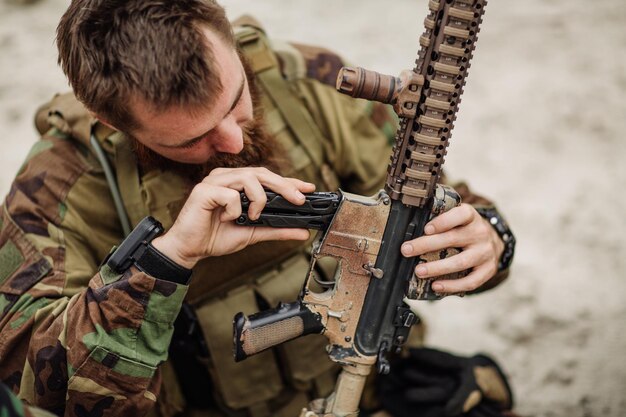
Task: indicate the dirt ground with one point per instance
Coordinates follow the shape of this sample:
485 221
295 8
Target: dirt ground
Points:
539 131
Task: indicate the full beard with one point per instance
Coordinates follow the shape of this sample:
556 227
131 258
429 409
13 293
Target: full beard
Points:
260 149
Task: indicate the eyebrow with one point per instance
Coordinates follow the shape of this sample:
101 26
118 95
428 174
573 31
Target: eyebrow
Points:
232 107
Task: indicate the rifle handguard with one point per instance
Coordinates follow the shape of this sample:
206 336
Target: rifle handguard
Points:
269 328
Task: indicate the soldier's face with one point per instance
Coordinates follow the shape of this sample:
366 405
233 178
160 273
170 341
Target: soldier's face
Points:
193 136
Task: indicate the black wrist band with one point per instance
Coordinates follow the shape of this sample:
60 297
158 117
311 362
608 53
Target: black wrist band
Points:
136 249
502 229
154 263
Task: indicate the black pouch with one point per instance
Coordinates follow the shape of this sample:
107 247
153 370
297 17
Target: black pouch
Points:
189 354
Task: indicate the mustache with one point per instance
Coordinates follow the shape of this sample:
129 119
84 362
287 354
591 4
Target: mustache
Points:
260 149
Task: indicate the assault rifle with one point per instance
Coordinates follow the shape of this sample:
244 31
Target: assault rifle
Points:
362 312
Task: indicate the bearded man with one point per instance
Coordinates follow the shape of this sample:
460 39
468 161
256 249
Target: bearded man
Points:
174 112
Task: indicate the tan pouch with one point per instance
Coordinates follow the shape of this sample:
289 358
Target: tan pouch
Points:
305 358
244 384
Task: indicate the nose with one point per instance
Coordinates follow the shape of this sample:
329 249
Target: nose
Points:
228 136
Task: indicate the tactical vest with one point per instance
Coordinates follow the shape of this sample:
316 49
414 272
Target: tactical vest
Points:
276 382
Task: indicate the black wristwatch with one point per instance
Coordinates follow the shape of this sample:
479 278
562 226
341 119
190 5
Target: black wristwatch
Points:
502 229
137 249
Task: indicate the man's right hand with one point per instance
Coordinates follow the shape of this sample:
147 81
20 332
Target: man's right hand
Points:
205 224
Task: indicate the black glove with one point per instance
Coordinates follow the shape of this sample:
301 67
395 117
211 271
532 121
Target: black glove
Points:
432 383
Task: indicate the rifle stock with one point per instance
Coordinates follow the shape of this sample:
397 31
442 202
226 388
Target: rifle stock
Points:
363 313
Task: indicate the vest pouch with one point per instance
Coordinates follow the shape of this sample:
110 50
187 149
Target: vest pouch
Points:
170 401
245 384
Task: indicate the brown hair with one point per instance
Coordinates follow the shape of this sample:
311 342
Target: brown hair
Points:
115 50
260 148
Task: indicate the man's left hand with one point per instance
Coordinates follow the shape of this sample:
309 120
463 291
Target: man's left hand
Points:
463 228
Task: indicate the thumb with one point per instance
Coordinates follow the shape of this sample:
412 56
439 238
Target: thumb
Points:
262 234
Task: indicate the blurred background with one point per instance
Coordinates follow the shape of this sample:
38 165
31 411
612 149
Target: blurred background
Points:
540 131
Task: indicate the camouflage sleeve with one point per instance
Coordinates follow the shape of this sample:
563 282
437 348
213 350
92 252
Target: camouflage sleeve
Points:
85 346
11 406
360 133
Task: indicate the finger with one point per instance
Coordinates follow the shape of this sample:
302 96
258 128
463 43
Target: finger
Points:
240 178
248 180
259 199
209 197
475 279
290 188
456 238
458 216
230 201
460 262
262 234
303 186
256 195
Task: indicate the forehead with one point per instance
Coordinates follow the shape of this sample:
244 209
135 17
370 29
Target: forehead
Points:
184 122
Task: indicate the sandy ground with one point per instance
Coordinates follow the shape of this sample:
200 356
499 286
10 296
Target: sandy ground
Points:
539 131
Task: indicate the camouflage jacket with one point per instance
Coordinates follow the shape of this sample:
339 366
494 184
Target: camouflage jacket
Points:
78 339
11 406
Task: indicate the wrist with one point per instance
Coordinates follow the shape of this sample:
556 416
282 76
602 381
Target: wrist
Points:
168 247
137 249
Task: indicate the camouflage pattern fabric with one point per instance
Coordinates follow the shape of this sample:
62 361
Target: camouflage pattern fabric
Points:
79 340
67 349
11 406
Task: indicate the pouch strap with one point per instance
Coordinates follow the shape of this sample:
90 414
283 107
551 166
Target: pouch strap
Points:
256 48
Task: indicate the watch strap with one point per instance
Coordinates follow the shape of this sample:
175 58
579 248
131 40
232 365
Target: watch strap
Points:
501 227
154 263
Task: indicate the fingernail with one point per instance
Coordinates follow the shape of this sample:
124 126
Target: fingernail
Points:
299 195
437 287
406 249
429 229
421 271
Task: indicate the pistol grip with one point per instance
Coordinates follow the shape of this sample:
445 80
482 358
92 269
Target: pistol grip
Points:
269 328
